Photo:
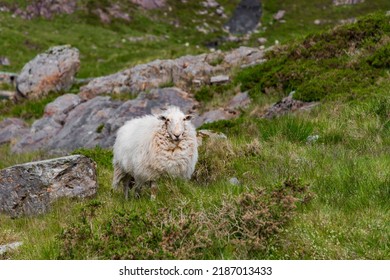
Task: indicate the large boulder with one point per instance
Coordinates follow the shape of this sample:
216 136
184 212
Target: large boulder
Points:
69 124
53 71
30 188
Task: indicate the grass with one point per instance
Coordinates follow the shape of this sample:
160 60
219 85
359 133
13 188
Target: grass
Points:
297 199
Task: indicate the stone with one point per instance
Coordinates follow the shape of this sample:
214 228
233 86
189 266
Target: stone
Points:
4 61
9 247
287 105
11 129
6 94
52 71
262 40
245 18
150 4
220 79
65 128
205 133
346 2
30 188
45 8
240 100
234 181
215 115
279 15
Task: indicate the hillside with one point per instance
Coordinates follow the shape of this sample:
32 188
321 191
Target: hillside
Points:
297 184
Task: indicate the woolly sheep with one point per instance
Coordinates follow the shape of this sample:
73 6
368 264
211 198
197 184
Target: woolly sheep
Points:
151 146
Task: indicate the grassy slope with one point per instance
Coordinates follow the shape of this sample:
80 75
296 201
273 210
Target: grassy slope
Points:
325 200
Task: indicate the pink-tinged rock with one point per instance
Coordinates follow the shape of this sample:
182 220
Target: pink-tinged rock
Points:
12 129
150 4
52 71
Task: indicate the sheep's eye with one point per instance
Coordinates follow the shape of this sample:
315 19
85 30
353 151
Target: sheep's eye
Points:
163 118
187 118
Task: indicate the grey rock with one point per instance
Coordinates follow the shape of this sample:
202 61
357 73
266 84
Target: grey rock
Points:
262 40
220 79
234 181
46 8
6 94
205 133
95 121
53 70
11 129
245 18
240 100
150 4
30 188
288 105
346 2
215 115
181 72
4 61
9 247
279 15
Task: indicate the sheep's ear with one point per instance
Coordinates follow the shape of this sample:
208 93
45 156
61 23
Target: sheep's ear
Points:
162 118
188 117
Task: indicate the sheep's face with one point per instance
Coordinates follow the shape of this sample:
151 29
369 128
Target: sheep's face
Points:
175 124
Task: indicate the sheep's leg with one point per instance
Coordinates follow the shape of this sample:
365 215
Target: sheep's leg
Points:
118 176
128 184
137 189
153 190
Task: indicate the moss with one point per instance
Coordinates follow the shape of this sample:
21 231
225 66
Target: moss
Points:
337 62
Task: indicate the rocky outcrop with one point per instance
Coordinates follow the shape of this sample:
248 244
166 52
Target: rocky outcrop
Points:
182 72
12 129
287 105
53 70
346 2
46 9
246 17
69 124
30 188
150 4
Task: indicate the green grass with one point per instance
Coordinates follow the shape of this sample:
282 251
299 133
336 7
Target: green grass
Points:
297 199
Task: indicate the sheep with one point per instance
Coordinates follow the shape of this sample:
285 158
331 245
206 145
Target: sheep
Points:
154 145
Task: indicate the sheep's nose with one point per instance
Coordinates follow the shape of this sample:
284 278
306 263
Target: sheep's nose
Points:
176 136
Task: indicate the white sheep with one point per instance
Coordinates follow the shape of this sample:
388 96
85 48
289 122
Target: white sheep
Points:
154 145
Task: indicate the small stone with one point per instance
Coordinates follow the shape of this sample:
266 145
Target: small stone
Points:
219 79
312 138
317 22
234 181
279 15
262 40
9 247
4 61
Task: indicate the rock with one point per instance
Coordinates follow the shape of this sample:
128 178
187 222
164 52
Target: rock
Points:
347 21
30 188
181 72
215 115
205 133
95 121
279 15
59 108
317 22
312 139
53 70
234 181
5 94
388 13
11 129
346 2
220 79
8 78
262 40
9 247
210 4
240 100
287 105
150 4
245 18
4 61
46 9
